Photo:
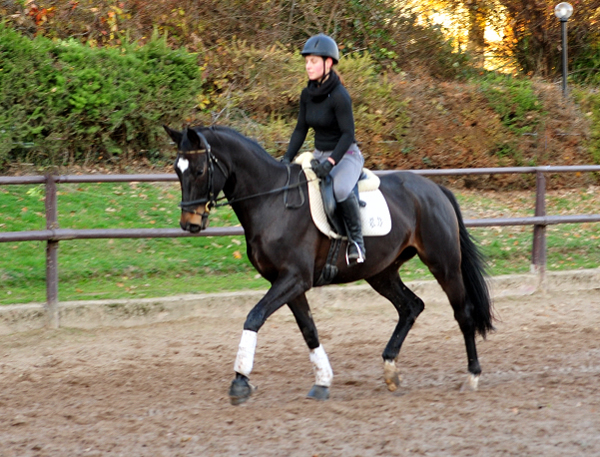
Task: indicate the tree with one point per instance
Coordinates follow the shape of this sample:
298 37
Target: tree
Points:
533 34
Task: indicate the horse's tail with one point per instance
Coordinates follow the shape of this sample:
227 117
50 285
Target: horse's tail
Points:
473 266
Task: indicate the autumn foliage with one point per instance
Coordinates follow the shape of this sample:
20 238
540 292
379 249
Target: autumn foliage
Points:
95 81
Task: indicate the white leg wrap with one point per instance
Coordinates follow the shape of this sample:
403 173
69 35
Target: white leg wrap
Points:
245 356
323 371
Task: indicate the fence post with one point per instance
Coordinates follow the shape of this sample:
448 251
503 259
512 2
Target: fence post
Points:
51 254
538 254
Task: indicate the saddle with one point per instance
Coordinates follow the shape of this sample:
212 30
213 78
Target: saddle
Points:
330 203
374 212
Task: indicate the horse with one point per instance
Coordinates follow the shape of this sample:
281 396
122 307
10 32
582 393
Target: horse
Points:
286 248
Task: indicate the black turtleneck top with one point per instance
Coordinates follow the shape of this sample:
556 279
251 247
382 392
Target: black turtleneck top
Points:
330 115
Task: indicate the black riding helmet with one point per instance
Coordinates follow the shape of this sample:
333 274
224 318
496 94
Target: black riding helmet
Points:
322 45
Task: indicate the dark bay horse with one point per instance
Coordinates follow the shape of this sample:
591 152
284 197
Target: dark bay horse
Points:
288 250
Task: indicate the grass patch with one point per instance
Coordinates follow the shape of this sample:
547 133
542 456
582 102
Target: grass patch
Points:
92 269
110 269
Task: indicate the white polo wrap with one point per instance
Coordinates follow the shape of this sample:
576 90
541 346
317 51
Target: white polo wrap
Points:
245 356
321 366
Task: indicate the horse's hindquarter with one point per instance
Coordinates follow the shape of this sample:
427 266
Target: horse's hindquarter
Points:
420 205
435 221
404 202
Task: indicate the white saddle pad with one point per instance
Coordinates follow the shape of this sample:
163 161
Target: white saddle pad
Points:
375 216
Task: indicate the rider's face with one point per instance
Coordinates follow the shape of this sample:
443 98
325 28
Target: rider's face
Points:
316 67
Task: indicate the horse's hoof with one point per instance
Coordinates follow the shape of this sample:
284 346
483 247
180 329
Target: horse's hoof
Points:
318 393
240 391
392 384
471 384
391 375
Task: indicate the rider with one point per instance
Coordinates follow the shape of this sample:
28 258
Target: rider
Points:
326 106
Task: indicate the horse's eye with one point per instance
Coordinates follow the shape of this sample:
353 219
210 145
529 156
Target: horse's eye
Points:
196 172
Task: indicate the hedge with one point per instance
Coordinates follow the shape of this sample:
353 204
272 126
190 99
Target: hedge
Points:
62 101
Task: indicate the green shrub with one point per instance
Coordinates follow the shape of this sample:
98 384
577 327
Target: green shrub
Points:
381 114
589 101
250 81
514 100
62 101
584 68
73 103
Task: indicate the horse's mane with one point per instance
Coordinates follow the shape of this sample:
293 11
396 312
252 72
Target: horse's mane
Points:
220 131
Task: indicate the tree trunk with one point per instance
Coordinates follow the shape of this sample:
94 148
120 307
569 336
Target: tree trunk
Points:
477 24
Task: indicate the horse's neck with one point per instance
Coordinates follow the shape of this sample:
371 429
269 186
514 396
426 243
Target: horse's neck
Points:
252 176
249 177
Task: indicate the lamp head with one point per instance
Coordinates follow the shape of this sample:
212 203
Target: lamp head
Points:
563 11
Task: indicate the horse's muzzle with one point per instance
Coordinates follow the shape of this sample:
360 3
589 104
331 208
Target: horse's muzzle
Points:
194 222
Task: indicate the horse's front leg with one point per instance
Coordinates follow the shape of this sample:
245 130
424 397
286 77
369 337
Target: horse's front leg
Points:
318 357
279 294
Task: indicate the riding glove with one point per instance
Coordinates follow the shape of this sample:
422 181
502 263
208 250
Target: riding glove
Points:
285 160
321 169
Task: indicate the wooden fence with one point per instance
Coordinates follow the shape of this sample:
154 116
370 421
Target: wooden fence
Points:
53 234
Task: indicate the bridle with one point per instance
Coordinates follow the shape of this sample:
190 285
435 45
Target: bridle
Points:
212 201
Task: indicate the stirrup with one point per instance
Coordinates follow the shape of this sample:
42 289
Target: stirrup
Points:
361 256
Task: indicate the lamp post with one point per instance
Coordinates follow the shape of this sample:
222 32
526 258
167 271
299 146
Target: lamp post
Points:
563 11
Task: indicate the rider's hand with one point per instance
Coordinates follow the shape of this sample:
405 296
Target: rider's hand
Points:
321 169
285 160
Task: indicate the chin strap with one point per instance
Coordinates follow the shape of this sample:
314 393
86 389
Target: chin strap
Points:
325 75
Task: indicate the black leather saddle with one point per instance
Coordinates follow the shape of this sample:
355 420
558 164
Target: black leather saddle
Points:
330 204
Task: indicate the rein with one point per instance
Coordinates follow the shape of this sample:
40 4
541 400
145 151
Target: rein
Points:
216 202
284 189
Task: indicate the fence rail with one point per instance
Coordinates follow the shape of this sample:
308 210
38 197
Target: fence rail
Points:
53 234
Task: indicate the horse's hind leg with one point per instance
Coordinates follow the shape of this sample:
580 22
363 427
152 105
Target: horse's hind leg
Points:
459 267
451 281
323 372
409 306
463 311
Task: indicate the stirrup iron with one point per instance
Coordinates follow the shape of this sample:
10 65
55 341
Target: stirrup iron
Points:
361 256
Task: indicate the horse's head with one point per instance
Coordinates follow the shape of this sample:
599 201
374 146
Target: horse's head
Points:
194 166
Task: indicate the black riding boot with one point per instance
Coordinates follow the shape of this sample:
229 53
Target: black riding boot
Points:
356 246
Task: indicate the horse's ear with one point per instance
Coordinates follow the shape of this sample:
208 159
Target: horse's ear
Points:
194 141
174 134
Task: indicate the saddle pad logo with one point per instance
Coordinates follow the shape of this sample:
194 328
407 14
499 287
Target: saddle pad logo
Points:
375 216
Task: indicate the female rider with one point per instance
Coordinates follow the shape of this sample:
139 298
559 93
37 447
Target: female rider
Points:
326 106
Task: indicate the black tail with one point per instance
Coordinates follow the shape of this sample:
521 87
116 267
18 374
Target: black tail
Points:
473 268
